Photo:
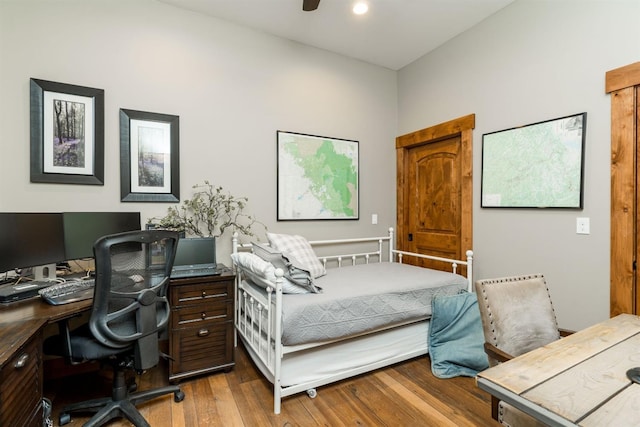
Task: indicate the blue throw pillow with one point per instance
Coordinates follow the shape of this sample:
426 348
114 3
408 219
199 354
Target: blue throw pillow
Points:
456 339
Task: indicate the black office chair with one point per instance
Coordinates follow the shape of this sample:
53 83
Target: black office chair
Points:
130 309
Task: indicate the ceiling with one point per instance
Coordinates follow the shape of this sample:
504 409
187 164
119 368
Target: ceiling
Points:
392 34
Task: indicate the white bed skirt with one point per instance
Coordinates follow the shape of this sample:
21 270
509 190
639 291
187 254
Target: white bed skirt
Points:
342 359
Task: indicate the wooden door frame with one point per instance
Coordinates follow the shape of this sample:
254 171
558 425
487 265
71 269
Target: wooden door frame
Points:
463 127
622 83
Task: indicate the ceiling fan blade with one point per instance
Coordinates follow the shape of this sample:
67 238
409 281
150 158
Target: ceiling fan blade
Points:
309 5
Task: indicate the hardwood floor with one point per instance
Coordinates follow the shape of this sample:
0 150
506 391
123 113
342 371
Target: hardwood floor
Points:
405 394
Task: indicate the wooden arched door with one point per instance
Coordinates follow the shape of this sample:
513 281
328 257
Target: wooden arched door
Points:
435 190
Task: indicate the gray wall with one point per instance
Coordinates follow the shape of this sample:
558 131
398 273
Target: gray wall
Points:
232 87
533 61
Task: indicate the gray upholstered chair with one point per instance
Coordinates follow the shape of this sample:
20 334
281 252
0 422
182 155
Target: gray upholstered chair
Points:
517 317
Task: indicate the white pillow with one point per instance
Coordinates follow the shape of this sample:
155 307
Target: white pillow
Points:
263 273
300 249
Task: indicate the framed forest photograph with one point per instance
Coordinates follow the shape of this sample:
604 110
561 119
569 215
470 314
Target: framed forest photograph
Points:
149 157
67 133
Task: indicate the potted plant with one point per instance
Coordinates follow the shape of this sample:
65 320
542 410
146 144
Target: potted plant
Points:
208 213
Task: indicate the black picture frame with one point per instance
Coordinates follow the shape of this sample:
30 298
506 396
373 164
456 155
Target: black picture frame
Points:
318 177
536 166
159 179
67 133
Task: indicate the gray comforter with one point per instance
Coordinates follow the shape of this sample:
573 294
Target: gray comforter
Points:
363 298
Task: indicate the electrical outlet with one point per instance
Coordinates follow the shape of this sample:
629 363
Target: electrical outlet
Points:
582 226
374 219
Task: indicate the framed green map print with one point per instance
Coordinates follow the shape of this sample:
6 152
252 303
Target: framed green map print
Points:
540 165
317 177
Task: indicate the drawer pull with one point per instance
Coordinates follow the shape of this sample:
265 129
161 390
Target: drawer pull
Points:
204 294
22 361
203 315
203 332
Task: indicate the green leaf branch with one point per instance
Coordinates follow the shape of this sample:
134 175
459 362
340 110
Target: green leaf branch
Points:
209 212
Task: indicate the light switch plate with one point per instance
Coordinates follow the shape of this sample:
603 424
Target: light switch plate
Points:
582 226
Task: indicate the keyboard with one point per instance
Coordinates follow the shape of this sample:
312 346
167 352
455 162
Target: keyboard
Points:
67 292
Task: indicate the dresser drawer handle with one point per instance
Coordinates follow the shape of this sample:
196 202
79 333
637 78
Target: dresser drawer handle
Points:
203 315
22 361
203 332
204 294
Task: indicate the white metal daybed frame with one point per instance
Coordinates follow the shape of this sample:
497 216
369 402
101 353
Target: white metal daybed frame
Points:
261 330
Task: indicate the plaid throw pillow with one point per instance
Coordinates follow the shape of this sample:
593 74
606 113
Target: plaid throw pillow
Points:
300 249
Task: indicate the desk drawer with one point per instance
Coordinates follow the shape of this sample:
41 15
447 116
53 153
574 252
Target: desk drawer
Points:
202 349
21 386
196 315
200 292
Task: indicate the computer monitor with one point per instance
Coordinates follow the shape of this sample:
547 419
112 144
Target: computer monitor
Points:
31 240
82 229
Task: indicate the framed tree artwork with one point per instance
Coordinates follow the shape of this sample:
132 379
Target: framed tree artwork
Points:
67 133
149 157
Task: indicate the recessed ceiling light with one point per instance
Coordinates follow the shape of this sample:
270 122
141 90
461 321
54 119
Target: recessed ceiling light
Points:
360 8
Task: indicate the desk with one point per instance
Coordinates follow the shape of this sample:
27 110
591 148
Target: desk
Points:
21 325
578 380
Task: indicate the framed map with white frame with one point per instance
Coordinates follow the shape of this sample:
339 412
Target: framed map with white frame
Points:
317 177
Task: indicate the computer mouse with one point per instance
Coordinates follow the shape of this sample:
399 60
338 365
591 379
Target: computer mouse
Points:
634 375
136 278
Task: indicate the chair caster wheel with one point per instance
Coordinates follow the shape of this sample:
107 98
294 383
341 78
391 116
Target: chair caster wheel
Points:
178 396
312 393
64 419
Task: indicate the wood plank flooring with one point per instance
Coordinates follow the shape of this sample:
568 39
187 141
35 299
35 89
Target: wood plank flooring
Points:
405 394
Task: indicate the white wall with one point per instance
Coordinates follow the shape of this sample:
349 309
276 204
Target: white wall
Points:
535 60
232 87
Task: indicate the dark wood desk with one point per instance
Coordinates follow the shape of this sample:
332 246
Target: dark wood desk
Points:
21 335
36 309
577 380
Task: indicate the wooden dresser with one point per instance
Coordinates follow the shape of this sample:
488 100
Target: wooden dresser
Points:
21 375
201 333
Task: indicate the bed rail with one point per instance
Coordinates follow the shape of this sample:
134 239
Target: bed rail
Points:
366 256
454 263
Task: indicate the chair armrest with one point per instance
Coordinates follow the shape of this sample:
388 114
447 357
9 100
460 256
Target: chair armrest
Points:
495 353
65 338
65 342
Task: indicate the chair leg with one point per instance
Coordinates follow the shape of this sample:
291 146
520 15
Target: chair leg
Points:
143 396
91 406
112 410
120 404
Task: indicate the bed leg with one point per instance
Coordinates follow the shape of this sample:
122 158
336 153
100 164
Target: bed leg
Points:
276 404
312 393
